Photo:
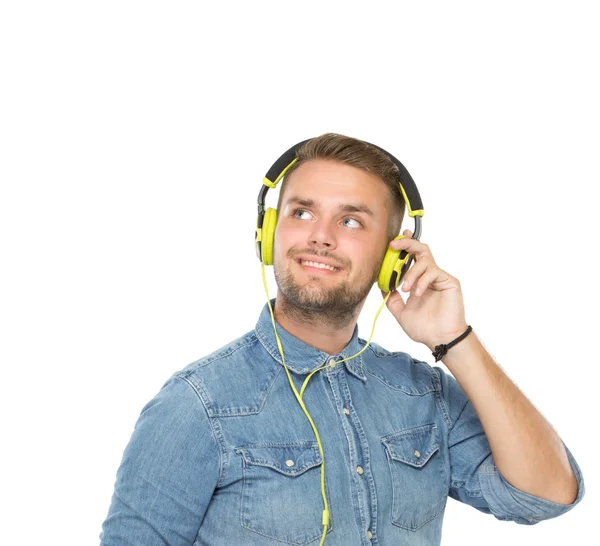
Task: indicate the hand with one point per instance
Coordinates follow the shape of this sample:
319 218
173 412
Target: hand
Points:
434 312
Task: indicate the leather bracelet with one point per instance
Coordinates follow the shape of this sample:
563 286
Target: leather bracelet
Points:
441 350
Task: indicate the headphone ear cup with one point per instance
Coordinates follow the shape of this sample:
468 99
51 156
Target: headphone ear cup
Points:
268 235
390 273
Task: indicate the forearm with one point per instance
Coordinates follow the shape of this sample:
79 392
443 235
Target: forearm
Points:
525 447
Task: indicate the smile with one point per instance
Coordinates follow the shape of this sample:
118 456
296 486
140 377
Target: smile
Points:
318 266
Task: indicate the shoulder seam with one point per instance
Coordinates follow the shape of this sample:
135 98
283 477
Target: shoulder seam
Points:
215 433
444 406
388 353
204 361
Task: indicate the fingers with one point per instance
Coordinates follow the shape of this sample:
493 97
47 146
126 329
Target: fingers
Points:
423 260
414 273
395 303
425 280
419 250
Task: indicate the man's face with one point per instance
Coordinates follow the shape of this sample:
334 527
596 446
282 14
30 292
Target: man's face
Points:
334 214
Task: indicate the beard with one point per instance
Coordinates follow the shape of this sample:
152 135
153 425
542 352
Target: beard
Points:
316 302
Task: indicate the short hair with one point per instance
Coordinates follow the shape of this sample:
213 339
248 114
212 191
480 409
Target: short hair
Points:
360 154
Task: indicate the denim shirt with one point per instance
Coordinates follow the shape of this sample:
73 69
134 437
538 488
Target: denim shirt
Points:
223 455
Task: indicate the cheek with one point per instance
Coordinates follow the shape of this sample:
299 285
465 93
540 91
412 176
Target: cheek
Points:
286 239
358 253
369 256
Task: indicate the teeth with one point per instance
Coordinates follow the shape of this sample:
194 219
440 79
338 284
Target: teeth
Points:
320 266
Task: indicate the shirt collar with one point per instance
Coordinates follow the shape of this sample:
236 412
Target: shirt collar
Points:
301 357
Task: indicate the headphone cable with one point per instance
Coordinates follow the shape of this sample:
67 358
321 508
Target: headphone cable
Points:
326 513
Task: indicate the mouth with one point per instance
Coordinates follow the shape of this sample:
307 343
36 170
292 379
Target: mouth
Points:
317 267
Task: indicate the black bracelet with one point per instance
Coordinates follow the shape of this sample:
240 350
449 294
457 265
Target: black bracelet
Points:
441 350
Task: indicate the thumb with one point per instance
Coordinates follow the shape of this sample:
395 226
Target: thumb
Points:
395 303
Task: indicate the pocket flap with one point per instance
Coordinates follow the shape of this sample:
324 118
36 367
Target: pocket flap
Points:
290 459
413 446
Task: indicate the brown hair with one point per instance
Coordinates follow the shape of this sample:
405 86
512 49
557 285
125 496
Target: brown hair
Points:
359 154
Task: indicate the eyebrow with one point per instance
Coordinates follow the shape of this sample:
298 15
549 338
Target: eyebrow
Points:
344 207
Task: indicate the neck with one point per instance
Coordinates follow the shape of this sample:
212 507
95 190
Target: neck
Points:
328 333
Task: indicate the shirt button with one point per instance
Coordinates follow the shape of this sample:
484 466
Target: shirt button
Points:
359 470
346 411
332 362
369 535
289 462
417 454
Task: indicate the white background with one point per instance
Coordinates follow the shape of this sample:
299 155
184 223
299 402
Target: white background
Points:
133 140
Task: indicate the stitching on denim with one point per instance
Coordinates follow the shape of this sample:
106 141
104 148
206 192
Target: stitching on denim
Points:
307 443
366 457
488 469
402 388
395 500
260 461
274 353
216 432
409 431
242 342
243 515
239 412
193 377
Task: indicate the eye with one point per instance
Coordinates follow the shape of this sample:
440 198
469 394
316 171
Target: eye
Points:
298 211
354 220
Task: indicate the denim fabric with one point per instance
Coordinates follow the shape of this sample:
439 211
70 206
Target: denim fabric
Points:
224 456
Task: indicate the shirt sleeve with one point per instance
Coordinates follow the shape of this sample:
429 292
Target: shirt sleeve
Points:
167 475
475 479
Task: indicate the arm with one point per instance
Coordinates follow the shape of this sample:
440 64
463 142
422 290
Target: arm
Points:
526 449
474 477
167 475
504 457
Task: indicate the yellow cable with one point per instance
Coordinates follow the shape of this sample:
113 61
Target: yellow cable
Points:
326 512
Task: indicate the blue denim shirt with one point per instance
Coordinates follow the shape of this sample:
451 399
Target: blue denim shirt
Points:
223 455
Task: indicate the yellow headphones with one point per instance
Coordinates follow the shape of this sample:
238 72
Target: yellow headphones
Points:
393 268
395 263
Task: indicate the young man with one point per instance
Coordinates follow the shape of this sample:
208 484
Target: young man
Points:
225 455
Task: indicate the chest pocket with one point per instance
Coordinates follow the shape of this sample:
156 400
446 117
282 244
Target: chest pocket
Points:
281 492
419 476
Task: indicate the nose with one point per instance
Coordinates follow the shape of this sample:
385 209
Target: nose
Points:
322 235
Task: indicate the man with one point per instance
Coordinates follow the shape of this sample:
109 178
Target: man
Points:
225 454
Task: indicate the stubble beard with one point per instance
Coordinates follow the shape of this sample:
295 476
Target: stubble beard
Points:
316 303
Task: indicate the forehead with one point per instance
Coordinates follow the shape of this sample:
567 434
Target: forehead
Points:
331 182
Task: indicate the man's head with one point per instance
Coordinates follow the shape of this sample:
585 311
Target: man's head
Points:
339 204
361 155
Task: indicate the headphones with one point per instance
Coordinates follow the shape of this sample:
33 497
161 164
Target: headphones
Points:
395 263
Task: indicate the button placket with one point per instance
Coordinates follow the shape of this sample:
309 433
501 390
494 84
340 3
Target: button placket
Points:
357 450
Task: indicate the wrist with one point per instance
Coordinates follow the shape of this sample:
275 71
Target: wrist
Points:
441 346
447 338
